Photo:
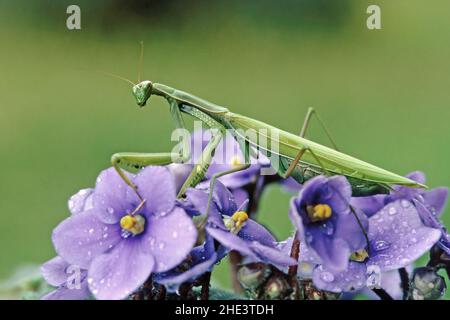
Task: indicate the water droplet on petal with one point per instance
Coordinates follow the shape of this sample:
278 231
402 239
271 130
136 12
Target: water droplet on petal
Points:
373 277
327 276
405 203
110 210
91 231
392 211
381 245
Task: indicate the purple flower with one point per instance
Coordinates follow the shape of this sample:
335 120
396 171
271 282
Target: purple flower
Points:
397 237
430 204
231 226
120 248
199 261
70 282
325 222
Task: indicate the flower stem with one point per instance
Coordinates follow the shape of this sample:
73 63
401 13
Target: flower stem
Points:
404 278
235 260
292 271
161 293
206 278
382 294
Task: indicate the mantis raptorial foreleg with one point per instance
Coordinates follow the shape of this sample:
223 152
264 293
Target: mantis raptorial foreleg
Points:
131 161
200 168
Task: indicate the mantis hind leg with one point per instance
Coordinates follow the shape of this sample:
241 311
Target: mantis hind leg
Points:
312 112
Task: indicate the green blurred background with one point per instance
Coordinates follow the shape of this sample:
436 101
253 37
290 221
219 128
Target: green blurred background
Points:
383 93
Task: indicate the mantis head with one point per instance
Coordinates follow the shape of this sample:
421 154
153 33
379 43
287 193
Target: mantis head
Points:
142 92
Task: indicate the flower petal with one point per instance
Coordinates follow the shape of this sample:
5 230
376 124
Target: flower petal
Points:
253 231
352 229
230 240
170 238
398 236
79 238
109 198
436 199
157 186
240 196
180 172
115 275
351 279
80 201
333 252
54 271
199 200
272 255
369 205
65 293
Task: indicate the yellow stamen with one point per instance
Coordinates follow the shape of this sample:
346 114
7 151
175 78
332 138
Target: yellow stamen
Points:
240 217
127 222
236 221
319 212
360 255
236 161
134 224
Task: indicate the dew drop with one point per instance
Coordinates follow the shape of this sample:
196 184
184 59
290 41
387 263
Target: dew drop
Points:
91 231
392 211
327 276
161 245
110 210
405 203
175 234
381 245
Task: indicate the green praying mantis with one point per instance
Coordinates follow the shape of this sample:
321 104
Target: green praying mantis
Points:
296 156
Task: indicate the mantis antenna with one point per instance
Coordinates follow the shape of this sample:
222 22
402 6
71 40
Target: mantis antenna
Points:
116 76
141 61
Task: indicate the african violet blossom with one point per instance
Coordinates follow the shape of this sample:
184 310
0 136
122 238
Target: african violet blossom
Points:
397 237
232 228
429 203
199 261
120 248
325 222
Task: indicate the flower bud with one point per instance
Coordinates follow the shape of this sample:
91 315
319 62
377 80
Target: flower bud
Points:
277 288
253 275
427 284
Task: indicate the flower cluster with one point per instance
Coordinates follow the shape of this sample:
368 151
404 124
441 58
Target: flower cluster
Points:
117 242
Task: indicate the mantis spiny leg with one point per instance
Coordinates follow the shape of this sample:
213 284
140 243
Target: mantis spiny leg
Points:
199 170
309 114
133 162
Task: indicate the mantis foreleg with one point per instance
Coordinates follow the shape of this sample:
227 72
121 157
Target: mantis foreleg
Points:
133 162
199 171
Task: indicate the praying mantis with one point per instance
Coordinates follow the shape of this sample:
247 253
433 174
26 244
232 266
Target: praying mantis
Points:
297 156
294 152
